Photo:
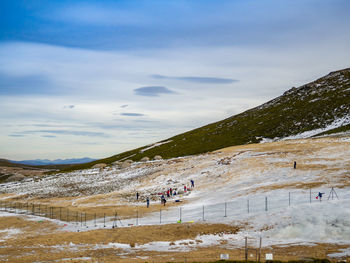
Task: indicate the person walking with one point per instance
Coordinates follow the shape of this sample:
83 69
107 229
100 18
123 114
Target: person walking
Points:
147 201
137 196
295 165
192 183
185 189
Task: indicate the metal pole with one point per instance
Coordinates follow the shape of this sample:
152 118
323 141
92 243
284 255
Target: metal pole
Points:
259 249
137 217
310 195
246 249
289 198
203 213
265 203
225 210
248 205
104 220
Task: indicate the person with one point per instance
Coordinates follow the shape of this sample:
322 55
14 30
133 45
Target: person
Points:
171 191
168 193
192 183
137 196
163 200
147 201
295 165
319 196
185 189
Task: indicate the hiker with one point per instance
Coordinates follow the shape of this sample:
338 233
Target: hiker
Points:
168 193
185 189
137 196
171 191
192 183
147 201
295 165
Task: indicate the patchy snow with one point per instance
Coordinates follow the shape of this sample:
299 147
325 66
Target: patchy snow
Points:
345 253
8 233
154 145
258 187
335 124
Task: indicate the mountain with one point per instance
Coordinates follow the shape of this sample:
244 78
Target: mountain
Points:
319 107
55 162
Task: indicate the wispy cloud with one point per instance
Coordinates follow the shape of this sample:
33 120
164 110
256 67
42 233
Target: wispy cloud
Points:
124 106
16 135
153 91
131 114
68 132
24 84
205 80
69 106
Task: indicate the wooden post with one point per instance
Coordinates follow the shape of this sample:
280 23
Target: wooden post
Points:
265 203
248 205
225 210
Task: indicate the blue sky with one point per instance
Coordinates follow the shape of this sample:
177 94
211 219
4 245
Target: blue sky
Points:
94 78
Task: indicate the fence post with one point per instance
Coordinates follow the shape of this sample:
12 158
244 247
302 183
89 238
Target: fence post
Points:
289 198
248 205
259 250
104 220
203 213
265 203
246 249
310 195
225 210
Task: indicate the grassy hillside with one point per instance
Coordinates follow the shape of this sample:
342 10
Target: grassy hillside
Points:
311 106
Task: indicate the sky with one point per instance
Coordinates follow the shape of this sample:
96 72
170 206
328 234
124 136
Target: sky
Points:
96 78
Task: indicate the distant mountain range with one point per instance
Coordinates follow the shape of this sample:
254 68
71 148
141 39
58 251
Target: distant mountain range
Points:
54 162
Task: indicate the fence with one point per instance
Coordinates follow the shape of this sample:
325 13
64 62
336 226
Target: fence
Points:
197 213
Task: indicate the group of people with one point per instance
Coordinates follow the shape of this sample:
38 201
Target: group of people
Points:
170 192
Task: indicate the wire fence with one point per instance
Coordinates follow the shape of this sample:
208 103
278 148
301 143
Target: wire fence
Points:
218 212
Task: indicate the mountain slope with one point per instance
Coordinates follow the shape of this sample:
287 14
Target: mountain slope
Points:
317 105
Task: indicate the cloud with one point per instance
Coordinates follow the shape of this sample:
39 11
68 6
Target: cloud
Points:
48 136
16 135
131 114
68 106
153 91
205 80
24 84
67 132
124 106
